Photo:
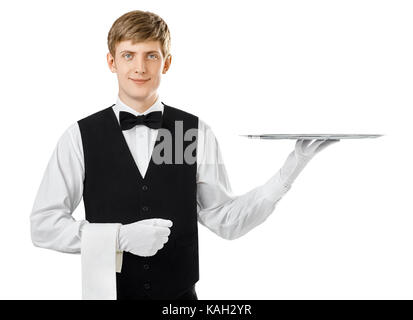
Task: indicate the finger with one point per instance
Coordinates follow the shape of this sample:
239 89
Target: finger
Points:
158 244
162 231
163 239
327 143
148 254
301 144
152 253
163 223
149 222
306 142
313 147
157 222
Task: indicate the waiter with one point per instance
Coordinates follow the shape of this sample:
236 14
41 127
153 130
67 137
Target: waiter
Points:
139 239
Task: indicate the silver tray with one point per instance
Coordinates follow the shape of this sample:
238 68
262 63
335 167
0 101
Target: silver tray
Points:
333 136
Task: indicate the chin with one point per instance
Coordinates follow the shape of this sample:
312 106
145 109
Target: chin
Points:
139 95
134 92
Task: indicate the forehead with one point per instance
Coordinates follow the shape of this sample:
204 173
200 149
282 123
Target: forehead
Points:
148 45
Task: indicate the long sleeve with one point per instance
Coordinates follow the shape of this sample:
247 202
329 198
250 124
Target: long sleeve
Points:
60 192
228 215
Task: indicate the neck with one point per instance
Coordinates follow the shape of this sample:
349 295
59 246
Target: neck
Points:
139 105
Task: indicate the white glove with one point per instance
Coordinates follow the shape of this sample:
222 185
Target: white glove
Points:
299 158
145 237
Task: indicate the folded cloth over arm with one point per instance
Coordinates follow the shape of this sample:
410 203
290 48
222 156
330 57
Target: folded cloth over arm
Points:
100 260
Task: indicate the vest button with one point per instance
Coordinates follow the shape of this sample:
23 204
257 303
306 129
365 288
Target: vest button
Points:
145 208
145 187
147 286
146 266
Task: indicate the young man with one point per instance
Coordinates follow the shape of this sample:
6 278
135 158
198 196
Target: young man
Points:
142 214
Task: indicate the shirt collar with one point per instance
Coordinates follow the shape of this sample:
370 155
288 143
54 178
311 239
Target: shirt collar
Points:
121 106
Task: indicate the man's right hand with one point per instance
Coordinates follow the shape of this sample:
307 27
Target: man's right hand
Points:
145 237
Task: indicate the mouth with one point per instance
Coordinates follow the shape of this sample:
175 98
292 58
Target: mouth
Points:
139 81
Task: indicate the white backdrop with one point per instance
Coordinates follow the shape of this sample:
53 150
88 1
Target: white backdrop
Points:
343 231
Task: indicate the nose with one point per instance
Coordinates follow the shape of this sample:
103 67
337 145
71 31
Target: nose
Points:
140 66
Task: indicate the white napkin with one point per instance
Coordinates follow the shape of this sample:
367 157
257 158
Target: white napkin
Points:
100 261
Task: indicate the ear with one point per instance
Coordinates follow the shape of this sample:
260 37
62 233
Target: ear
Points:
167 64
111 62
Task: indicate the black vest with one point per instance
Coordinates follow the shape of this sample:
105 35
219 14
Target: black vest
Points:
115 192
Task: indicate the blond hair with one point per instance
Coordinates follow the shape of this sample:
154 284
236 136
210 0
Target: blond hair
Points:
139 26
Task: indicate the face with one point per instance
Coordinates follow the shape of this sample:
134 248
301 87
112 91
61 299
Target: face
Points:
142 61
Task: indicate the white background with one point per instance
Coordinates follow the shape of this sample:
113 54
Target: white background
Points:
343 231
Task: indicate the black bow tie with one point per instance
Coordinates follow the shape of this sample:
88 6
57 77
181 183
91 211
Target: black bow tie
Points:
152 120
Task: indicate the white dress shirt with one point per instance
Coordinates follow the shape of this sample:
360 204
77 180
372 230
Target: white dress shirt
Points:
229 216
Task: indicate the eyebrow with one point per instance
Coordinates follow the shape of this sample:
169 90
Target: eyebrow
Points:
135 52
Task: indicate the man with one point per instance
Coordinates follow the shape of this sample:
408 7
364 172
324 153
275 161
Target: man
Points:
142 213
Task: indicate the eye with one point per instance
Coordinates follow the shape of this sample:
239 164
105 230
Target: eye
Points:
127 54
153 55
